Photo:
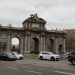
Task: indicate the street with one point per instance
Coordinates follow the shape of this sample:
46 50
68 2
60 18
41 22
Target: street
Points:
36 67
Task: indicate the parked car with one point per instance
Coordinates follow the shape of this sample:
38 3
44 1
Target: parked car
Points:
71 57
7 56
18 56
49 56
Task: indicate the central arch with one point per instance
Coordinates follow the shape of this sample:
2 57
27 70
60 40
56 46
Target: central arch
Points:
35 44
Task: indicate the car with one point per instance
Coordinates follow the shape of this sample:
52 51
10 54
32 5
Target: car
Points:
49 56
7 56
18 56
71 57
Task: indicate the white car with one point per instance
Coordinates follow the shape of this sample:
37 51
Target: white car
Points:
18 56
49 56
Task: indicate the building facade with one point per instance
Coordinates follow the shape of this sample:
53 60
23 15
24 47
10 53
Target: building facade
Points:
33 37
70 39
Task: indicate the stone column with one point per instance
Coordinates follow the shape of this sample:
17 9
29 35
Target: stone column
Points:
21 45
9 43
26 48
28 44
56 46
41 44
64 48
44 43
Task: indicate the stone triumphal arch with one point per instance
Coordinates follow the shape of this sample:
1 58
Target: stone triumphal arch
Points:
33 37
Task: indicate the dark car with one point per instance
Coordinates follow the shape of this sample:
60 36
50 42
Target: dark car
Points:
71 57
7 56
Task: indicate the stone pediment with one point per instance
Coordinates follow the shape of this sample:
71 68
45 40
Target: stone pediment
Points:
35 19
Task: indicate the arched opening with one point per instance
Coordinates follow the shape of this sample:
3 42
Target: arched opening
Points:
15 44
51 45
35 46
60 49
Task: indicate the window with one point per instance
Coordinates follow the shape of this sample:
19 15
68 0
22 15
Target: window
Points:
46 53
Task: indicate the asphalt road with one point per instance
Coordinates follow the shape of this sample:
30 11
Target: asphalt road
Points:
36 67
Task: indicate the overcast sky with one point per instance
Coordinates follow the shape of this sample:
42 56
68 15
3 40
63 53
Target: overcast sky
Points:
57 13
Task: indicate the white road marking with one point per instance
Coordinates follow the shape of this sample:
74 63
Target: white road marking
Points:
33 71
64 73
65 68
11 67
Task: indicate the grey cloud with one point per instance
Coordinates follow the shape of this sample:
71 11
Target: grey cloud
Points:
53 11
6 22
